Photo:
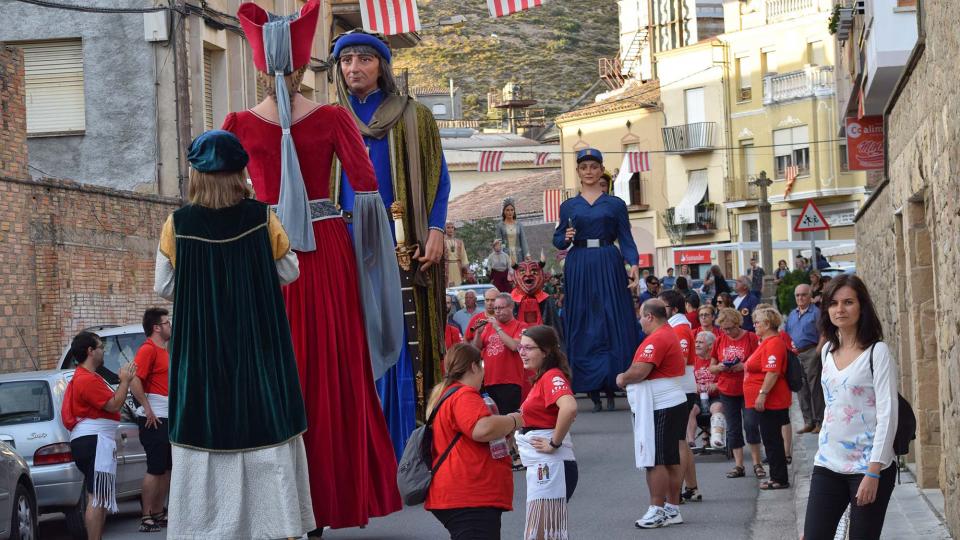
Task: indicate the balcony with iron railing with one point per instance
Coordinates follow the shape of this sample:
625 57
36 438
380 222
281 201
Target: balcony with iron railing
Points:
704 222
740 189
811 81
689 138
781 10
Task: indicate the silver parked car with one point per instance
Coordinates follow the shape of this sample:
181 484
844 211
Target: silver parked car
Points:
18 504
30 421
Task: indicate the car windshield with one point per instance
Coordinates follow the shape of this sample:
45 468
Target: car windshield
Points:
24 402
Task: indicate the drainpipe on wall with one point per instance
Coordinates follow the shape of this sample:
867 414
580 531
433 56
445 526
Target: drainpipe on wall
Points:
181 91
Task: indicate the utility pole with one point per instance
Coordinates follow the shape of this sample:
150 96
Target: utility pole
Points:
766 236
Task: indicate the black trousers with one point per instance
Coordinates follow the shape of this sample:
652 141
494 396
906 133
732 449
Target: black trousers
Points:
471 523
831 492
770 424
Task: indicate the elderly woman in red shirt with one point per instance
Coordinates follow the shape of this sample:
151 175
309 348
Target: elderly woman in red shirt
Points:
471 489
91 411
545 445
765 391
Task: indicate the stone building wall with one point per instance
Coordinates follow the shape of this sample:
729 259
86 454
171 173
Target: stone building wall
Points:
912 230
71 255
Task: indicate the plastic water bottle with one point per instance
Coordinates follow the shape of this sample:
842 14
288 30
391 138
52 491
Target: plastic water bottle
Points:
498 447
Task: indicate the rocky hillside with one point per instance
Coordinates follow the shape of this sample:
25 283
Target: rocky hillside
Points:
552 49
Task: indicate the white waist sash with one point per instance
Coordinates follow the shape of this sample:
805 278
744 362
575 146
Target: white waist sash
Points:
158 403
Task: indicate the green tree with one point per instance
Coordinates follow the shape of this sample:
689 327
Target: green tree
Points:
478 238
785 300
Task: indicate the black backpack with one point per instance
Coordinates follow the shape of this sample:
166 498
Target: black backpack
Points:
414 472
795 374
906 421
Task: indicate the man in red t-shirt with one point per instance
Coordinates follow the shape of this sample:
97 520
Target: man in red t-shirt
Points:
489 297
150 388
660 360
503 373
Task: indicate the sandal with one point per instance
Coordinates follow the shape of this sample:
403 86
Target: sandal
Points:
789 460
771 485
148 524
161 518
759 471
736 472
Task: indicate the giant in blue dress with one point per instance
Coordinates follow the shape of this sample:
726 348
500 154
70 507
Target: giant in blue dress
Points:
598 316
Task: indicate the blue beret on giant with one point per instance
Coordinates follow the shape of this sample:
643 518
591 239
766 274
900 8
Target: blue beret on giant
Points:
352 39
589 153
217 151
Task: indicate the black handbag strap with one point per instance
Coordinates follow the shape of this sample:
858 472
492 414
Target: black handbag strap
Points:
871 358
443 456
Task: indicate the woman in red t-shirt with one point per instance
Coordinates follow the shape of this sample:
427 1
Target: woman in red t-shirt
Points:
470 490
706 314
545 446
765 391
91 411
733 346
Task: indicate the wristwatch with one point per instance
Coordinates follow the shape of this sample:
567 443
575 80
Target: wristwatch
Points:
555 445
763 391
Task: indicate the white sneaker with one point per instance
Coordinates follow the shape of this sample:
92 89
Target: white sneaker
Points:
653 519
673 516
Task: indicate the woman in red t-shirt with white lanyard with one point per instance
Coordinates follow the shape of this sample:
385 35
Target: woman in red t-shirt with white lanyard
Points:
765 391
545 446
733 346
470 490
91 411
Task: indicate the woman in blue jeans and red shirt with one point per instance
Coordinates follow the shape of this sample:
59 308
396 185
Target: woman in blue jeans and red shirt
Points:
855 463
470 490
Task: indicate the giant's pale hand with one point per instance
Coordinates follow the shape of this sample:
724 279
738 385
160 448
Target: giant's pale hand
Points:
433 251
633 277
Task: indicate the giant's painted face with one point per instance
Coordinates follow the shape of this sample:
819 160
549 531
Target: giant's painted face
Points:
529 277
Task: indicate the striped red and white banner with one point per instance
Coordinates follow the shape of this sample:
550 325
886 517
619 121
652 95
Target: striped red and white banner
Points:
542 158
551 204
390 17
490 161
500 8
639 161
791 174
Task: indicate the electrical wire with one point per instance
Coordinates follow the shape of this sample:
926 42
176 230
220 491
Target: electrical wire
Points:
564 152
92 9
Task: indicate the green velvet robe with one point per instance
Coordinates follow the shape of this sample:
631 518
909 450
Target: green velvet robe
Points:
233 375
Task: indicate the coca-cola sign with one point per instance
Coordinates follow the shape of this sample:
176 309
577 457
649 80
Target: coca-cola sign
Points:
865 143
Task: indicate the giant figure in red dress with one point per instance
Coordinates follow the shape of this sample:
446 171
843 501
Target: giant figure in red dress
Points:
350 456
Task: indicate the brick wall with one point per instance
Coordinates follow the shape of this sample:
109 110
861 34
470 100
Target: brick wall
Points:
71 255
13 122
913 227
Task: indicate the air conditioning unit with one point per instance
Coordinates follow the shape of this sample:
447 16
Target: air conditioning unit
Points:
745 94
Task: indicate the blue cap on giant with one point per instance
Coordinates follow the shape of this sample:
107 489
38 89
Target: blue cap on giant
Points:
217 151
354 38
589 153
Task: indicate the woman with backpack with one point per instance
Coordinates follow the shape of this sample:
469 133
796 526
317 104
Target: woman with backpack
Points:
470 489
855 463
765 391
545 444
91 412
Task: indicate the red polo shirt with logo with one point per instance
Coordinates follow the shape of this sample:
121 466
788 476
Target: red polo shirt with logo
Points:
662 349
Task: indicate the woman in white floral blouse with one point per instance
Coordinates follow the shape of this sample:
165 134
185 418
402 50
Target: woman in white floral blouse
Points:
855 463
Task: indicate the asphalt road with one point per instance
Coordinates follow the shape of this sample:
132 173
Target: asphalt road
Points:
610 496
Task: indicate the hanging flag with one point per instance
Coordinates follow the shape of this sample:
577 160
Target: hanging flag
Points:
639 161
792 172
500 8
490 161
551 205
542 158
390 17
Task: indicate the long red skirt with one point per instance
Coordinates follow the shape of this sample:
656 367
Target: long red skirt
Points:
353 471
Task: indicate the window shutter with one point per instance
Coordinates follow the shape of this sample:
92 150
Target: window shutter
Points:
53 73
782 142
207 89
801 137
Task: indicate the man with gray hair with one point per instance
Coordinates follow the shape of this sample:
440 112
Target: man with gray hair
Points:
806 341
745 302
503 373
403 142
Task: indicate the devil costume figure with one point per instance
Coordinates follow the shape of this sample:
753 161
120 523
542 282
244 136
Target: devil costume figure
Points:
403 142
532 305
337 309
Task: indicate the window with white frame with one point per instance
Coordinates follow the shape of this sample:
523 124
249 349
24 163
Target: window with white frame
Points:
53 73
744 92
791 147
